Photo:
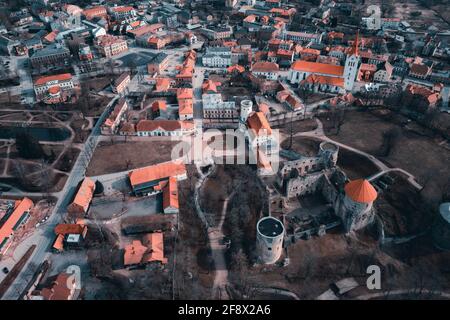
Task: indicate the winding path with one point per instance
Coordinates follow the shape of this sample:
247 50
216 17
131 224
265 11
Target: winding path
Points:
319 134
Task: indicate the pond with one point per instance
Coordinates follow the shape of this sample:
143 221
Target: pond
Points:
41 134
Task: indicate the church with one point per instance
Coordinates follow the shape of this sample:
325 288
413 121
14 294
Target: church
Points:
328 77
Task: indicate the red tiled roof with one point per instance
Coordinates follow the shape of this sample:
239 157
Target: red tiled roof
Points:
57 77
170 194
156 172
20 207
84 195
316 67
265 66
257 122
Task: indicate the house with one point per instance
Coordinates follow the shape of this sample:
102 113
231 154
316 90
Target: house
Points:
54 89
80 204
53 55
384 73
13 214
301 36
170 196
109 45
265 69
185 103
259 132
158 64
148 179
8 45
112 123
151 249
419 70
120 84
159 108
216 60
213 105
163 128
95 12
123 12
69 235
419 97
63 287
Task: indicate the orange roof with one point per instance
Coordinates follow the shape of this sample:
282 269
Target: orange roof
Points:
70 228
235 67
185 106
155 244
54 89
159 105
156 172
20 207
184 93
360 190
265 66
170 194
164 125
51 36
209 86
57 77
134 253
150 249
59 243
123 9
258 122
84 195
162 84
316 67
332 81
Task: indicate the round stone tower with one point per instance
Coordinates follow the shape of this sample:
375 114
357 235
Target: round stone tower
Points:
441 228
329 151
246 109
356 209
269 239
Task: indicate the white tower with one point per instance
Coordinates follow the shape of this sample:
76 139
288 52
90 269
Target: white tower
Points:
352 66
269 239
246 109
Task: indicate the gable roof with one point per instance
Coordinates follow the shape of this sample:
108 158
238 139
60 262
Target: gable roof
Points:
156 172
170 194
257 122
84 195
317 67
57 77
7 226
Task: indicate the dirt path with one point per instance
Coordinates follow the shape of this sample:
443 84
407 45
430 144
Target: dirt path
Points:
319 134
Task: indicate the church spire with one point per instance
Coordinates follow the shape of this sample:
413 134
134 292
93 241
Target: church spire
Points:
355 49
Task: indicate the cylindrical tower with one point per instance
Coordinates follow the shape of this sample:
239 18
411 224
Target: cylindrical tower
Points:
441 228
246 109
330 151
356 211
269 239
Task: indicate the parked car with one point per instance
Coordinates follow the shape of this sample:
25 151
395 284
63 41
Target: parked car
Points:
5 270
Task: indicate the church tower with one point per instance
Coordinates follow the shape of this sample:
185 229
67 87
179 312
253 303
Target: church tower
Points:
352 65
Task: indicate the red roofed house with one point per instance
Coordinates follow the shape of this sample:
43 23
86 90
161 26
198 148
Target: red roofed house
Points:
148 179
109 45
151 249
259 132
170 196
112 123
419 97
80 204
120 84
69 235
63 287
185 103
163 128
13 214
54 88
265 69
98 11
324 84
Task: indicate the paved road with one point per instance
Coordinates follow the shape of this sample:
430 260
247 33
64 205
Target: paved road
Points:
44 236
